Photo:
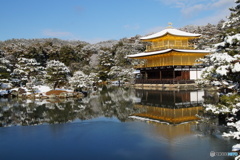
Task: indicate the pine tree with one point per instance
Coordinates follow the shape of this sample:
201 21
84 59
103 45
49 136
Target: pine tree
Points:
105 64
79 80
67 55
222 68
4 70
232 26
28 70
121 74
57 73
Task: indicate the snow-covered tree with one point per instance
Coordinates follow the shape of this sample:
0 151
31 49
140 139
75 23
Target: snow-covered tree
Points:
80 80
105 64
223 65
222 70
125 48
211 34
4 70
121 74
67 55
232 25
27 70
57 73
231 31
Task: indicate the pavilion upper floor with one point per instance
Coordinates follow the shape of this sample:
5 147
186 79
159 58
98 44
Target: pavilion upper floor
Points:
171 43
170 39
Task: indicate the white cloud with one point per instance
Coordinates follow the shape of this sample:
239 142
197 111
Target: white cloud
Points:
221 8
57 34
214 5
193 10
193 7
197 9
213 19
223 3
180 3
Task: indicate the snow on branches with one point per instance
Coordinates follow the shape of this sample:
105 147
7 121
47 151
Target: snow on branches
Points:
221 70
121 73
4 70
27 70
57 73
81 80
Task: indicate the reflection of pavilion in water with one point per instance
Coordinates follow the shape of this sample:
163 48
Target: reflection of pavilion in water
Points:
174 107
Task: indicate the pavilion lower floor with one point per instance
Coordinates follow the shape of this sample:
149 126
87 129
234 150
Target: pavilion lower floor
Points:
168 75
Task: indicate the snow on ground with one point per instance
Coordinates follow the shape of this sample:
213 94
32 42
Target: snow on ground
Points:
236 147
146 119
42 89
5 85
3 92
37 89
62 89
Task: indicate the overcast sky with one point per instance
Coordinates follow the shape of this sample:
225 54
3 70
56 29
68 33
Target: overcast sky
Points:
99 20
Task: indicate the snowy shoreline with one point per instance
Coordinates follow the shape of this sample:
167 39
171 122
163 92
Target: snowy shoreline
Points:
40 92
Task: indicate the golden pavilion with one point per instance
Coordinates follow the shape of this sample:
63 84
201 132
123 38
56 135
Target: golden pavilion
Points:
171 106
170 115
169 58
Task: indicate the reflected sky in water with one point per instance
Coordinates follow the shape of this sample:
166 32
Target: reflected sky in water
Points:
99 127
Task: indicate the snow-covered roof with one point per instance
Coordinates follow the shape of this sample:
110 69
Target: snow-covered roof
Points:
148 53
171 31
165 51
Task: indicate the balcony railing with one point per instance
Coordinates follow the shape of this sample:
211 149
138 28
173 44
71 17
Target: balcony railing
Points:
167 81
153 48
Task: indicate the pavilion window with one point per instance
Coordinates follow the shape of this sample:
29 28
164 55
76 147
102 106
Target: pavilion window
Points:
171 43
161 43
154 44
185 43
166 43
178 43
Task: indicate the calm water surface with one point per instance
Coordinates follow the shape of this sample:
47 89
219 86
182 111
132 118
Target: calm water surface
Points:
112 123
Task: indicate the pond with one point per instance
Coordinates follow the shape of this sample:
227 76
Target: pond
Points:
111 123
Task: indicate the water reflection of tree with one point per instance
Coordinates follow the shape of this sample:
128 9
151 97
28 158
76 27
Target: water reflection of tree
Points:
114 102
108 102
